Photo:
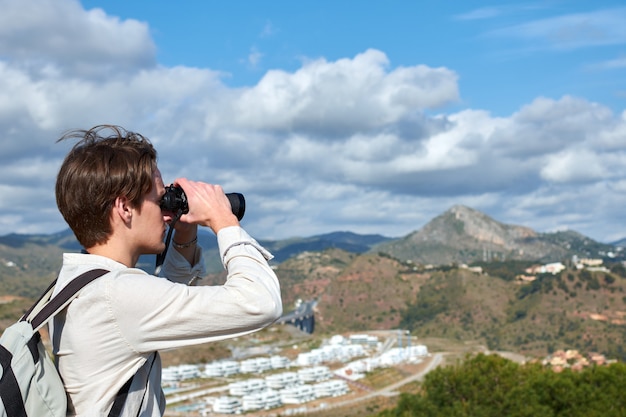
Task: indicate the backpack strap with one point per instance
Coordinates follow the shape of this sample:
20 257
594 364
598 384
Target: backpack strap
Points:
43 298
10 393
47 306
120 398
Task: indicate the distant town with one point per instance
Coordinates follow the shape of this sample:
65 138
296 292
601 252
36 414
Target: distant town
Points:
268 382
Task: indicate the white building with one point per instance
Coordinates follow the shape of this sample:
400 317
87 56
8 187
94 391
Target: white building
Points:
261 400
179 373
309 358
238 388
212 370
587 262
230 368
248 366
255 365
363 339
227 405
417 351
314 374
282 380
337 340
357 369
221 368
263 364
348 352
297 395
279 362
332 388
551 268
247 386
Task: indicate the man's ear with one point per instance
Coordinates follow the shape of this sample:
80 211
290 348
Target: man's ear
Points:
122 210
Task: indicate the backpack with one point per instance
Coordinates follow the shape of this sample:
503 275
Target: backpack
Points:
30 384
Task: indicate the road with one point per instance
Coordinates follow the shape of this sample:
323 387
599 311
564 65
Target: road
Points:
433 362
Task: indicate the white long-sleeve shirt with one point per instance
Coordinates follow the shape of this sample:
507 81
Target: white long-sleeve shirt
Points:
118 321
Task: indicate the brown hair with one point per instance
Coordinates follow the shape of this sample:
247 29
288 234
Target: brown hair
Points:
95 172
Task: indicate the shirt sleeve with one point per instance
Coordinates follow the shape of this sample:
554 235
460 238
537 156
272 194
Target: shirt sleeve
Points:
170 315
176 268
230 238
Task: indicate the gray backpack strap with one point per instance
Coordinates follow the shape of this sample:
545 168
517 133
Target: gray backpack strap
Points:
29 379
122 394
46 307
10 393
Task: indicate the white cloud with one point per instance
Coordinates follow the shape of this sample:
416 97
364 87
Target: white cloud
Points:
60 38
611 64
575 165
480 14
546 126
343 96
351 144
269 30
570 31
254 57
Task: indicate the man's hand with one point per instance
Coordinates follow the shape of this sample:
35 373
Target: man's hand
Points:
208 205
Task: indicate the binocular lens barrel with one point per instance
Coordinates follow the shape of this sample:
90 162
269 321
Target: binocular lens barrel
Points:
175 199
237 204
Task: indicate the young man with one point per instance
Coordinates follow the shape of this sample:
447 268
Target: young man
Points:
109 191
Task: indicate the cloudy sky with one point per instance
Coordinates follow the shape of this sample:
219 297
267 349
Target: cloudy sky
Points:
371 117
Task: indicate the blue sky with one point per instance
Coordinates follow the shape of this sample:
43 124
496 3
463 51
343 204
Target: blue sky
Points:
370 117
505 53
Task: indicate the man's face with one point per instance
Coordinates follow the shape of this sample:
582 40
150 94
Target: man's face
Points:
149 220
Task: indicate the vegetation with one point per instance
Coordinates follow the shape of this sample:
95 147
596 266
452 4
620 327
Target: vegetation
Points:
491 386
507 270
576 309
618 269
393 289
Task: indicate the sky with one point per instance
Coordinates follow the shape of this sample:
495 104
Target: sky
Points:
369 117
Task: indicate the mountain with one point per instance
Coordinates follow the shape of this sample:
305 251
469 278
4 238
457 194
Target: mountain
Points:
459 235
370 282
575 309
464 235
28 262
286 248
348 241
64 239
620 243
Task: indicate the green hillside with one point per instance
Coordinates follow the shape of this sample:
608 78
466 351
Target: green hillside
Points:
576 309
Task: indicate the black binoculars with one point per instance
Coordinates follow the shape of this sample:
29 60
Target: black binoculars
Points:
175 199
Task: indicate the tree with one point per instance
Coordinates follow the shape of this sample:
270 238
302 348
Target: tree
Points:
491 386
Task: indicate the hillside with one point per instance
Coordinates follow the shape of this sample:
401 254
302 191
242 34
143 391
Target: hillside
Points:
28 266
464 235
370 282
28 263
621 242
356 292
574 309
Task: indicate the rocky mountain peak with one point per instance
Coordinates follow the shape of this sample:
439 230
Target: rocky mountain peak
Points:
463 234
461 226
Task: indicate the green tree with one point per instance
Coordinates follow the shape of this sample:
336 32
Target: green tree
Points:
491 386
